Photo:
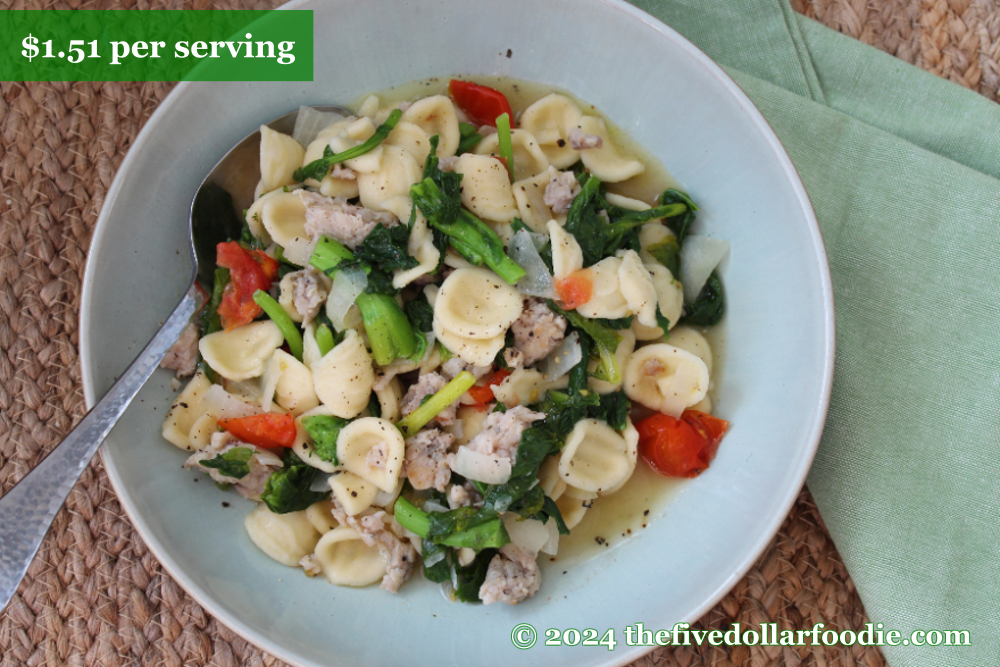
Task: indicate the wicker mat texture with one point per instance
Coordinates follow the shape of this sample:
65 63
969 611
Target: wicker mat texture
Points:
95 595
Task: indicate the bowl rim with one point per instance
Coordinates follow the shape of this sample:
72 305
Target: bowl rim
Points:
815 426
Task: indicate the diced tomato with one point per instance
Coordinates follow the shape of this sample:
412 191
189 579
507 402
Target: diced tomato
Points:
576 289
268 430
680 447
483 394
249 271
482 104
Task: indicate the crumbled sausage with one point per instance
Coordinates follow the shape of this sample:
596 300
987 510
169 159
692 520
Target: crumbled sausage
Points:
426 464
513 576
580 141
343 222
308 293
183 354
400 556
262 463
537 331
502 432
561 190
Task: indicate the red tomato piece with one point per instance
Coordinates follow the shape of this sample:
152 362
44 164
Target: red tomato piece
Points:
482 104
483 394
249 271
268 430
680 447
575 289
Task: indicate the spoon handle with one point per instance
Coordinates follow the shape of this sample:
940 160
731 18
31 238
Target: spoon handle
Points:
28 509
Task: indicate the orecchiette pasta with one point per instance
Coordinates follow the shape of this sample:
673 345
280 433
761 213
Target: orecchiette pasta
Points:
354 494
529 194
486 189
399 170
346 560
289 383
665 378
286 538
280 156
343 378
372 448
242 353
567 256
550 120
284 217
476 303
436 115
596 458
605 162
529 160
607 300
185 413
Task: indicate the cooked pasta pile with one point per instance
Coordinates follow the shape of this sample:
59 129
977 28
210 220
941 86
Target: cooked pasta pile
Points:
430 338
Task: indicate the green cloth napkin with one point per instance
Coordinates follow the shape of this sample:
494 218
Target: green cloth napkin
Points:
902 169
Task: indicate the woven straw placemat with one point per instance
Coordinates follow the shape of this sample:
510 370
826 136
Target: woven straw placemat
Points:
95 595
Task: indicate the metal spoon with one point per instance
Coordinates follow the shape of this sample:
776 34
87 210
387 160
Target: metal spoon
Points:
28 509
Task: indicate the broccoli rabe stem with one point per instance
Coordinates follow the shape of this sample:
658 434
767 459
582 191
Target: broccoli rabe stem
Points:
506 144
389 331
278 315
324 339
489 534
328 254
448 394
319 168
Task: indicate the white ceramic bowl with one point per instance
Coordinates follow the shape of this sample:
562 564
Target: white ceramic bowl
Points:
777 372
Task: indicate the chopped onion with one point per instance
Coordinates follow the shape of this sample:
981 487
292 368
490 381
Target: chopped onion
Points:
222 405
563 358
435 558
320 483
311 122
431 506
347 285
699 257
481 467
551 547
386 498
537 280
529 534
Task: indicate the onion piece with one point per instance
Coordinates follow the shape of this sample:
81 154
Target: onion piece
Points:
551 547
529 534
537 280
432 506
699 257
347 286
222 405
563 358
435 558
310 122
481 467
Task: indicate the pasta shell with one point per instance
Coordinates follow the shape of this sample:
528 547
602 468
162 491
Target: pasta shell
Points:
567 256
606 300
529 193
529 160
477 303
346 560
605 162
185 413
690 340
665 378
286 538
373 449
550 119
343 378
470 350
320 515
486 189
436 115
669 298
354 494
398 172
411 138
637 288
596 458
242 353
280 156
572 510
289 383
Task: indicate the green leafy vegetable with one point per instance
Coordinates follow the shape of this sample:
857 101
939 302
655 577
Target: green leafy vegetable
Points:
605 340
668 253
440 571
506 147
447 395
476 528
386 248
585 222
469 137
389 332
662 321
420 313
470 578
234 462
287 489
710 305
679 223
318 169
324 430
619 324
288 328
